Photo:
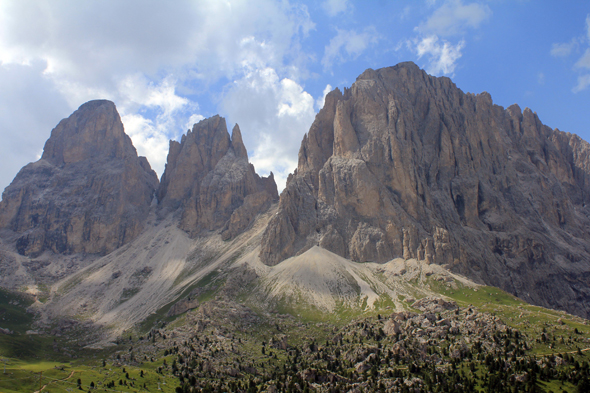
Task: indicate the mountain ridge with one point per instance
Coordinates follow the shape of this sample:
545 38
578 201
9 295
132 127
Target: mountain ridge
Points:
404 164
208 177
401 165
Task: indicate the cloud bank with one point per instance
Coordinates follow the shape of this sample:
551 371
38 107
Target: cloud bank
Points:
153 59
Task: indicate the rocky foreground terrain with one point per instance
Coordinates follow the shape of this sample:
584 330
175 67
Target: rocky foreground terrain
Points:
438 347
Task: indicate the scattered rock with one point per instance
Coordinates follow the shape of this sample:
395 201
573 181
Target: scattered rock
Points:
391 328
434 305
6 331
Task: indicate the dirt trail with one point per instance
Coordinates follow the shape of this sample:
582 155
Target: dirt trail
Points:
54 381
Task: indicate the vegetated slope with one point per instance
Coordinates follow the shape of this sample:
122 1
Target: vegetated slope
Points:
452 335
477 338
405 165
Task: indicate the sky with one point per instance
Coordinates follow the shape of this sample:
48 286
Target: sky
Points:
267 65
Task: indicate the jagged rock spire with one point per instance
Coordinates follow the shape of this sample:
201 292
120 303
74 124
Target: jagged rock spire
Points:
237 143
209 179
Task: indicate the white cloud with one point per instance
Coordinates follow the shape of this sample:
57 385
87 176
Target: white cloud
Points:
563 50
454 17
541 78
192 120
335 7
273 115
147 56
28 104
583 83
348 45
442 56
148 139
584 61
139 90
167 120
116 38
293 101
321 100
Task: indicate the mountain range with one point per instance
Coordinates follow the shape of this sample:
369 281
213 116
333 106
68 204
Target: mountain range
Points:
403 183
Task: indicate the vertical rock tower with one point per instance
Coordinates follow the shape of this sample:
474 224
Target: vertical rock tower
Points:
208 178
89 192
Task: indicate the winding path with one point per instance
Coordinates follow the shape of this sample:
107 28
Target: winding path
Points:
57 380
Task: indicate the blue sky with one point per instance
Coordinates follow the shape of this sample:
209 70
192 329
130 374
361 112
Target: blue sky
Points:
268 64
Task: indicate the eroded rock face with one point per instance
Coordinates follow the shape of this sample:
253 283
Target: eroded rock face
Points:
209 178
89 192
404 164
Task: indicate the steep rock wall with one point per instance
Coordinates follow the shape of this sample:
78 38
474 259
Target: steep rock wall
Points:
89 192
404 164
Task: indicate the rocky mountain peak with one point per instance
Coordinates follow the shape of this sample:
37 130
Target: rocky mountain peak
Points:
404 164
95 129
208 178
237 143
89 192
199 150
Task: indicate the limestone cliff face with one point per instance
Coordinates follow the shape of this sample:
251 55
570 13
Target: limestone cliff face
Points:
89 192
404 164
209 179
